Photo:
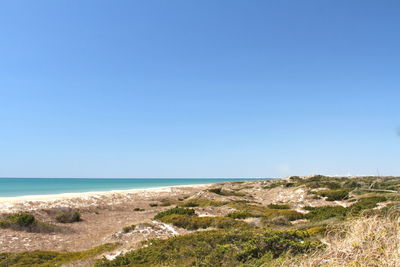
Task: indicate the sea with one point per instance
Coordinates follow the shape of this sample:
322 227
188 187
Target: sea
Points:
15 187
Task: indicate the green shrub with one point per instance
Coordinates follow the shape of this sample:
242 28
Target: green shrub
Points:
224 222
241 215
289 214
50 258
175 210
351 184
192 222
325 212
23 219
138 209
279 206
217 191
188 222
221 192
267 213
231 247
247 207
335 194
201 202
365 204
153 204
129 228
317 230
190 204
326 184
281 221
68 216
166 203
289 185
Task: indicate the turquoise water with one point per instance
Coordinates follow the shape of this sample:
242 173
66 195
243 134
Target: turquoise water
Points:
12 187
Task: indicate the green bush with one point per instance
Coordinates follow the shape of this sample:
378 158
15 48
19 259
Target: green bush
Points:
279 206
278 183
216 248
324 184
281 221
193 222
68 216
289 214
335 194
217 191
365 203
129 228
351 184
153 204
241 215
166 203
188 222
221 192
190 204
138 209
317 230
50 258
175 210
247 207
224 222
23 219
202 202
260 211
325 212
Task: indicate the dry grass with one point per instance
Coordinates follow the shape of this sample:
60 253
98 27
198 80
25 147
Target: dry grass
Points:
367 241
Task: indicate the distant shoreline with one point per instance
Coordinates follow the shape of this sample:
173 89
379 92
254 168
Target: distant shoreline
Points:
65 196
33 188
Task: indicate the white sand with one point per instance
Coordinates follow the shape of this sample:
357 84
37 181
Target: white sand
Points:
83 195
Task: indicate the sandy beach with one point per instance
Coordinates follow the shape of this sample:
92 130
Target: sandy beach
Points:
8 204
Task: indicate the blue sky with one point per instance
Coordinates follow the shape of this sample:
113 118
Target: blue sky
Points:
199 88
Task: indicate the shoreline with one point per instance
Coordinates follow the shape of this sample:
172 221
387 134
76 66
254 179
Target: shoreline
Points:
77 195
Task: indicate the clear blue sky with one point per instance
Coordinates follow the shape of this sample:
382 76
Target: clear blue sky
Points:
199 88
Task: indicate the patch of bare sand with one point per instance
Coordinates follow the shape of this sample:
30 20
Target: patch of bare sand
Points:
103 214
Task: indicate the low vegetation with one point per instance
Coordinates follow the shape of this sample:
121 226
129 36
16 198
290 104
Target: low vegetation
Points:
64 215
25 221
68 216
230 247
242 215
222 192
339 212
129 228
279 206
252 210
50 258
187 219
334 194
138 209
325 212
202 202
174 211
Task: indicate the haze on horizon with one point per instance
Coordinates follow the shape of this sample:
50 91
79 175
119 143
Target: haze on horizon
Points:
199 88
